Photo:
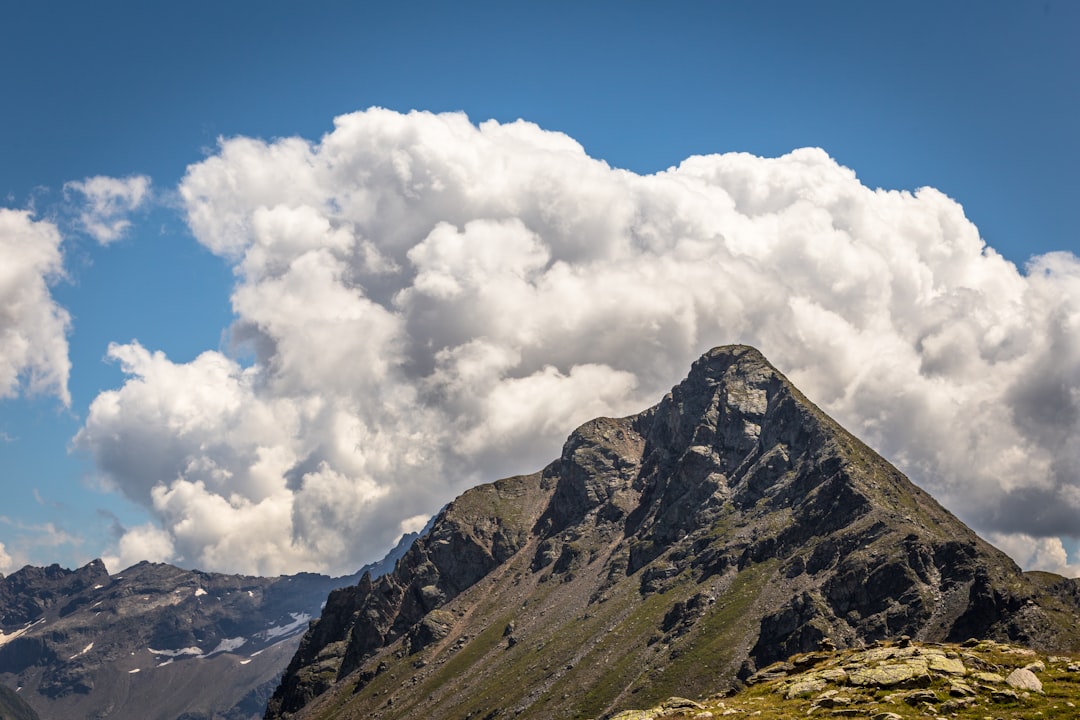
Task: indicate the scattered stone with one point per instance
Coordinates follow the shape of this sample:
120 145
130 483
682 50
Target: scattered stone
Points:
1036 667
1073 667
1014 650
829 699
826 645
833 675
682 704
1004 696
1024 679
921 696
956 704
772 672
808 660
636 715
804 688
988 677
886 716
959 689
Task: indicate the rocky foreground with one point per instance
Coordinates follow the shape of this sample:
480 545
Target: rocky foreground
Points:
983 680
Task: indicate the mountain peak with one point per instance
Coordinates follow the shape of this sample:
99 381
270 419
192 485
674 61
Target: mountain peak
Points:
729 526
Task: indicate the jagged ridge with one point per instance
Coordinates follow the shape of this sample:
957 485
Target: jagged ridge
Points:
154 641
729 526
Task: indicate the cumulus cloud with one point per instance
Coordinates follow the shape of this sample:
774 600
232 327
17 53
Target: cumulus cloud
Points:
1043 553
144 542
33 327
5 561
108 203
428 304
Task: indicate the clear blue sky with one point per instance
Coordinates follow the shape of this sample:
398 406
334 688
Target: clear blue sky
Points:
980 99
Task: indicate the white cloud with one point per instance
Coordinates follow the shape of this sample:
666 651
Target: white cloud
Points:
108 202
1043 553
33 327
145 542
432 303
6 562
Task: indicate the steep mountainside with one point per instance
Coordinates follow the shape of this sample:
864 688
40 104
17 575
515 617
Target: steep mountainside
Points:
12 707
673 552
154 641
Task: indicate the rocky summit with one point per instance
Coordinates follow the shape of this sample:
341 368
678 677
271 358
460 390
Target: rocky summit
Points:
154 642
677 552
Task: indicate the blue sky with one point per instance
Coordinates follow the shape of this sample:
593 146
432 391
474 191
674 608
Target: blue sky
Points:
980 100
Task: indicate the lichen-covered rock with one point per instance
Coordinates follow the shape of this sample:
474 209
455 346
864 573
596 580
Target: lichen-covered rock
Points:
636 715
804 688
942 664
909 674
678 704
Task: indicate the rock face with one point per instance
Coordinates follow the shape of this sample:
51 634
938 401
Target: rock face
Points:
154 641
668 553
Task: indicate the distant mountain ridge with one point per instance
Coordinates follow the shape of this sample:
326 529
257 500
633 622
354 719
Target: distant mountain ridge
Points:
154 641
673 552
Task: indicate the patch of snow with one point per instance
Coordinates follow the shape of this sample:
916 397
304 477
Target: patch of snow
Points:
98 587
4 639
199 592
82 652
177 653
97 603
226 645
255 653
170 661
245 662
132 672
299 620
251 594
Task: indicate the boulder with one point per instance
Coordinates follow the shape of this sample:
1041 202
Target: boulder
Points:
1024 679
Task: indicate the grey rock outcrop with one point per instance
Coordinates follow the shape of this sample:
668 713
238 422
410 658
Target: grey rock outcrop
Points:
1024 679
